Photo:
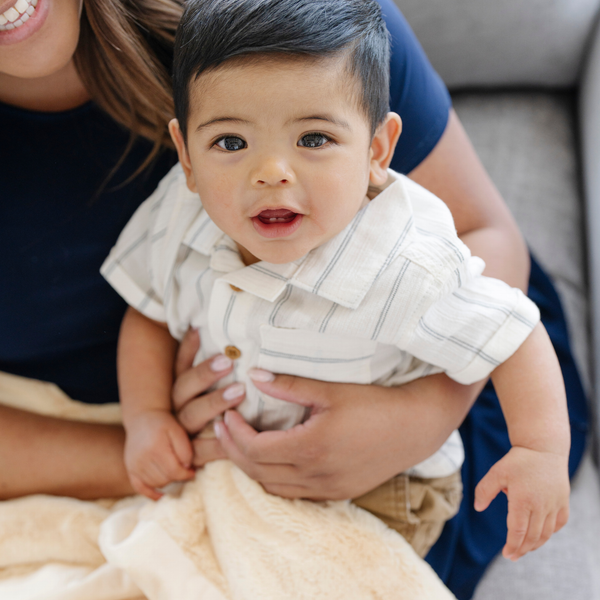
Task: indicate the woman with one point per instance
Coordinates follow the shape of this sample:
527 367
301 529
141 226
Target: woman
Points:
72 179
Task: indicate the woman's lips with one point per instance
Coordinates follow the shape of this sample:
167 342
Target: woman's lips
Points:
276 223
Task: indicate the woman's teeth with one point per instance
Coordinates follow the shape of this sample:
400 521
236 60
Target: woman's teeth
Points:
17 14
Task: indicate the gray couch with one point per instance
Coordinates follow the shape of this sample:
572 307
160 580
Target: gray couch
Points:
525 81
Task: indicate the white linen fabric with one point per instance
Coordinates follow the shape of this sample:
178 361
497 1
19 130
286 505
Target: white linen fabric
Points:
393 297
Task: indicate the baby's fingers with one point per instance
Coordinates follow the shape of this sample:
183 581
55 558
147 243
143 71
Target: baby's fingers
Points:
172 470
539 530
518 522
561 519
489 487
182 447
141 488
547 531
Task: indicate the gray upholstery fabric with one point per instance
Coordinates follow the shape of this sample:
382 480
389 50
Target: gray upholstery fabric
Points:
503 42
526 141
590 137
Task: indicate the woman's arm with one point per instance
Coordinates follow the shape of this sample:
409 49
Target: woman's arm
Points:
454 173
43 455
40 454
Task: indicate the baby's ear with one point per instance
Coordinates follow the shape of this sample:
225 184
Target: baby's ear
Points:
382 148
184 157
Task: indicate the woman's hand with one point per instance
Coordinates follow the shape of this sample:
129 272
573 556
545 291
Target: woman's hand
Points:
194 406
356 437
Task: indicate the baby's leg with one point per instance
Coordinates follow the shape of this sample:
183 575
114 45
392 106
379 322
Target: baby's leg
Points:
415 507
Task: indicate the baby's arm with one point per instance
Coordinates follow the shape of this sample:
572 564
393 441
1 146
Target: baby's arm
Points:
157 449
534 474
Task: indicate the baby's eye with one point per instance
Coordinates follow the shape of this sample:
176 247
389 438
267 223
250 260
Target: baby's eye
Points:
231 143
313 140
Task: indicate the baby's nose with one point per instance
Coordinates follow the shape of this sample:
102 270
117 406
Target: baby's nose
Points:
273 171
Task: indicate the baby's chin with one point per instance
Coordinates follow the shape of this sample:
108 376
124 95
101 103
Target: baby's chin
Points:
278 254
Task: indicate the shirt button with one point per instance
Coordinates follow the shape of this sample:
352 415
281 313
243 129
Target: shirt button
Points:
235 288
232 352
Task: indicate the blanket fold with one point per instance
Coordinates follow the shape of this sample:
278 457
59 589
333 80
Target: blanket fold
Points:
218 537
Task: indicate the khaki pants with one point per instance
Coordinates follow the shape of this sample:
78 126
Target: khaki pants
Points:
416 508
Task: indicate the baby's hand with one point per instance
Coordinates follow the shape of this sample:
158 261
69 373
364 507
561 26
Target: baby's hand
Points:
157 452
537 486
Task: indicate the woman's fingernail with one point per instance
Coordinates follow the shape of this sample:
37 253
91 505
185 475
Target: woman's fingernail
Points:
220 363
261 375
218 427
234 391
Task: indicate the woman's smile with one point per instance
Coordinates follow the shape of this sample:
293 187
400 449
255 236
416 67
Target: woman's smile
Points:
17 15
21 20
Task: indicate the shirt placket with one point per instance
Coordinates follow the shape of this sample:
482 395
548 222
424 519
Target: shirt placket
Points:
230 312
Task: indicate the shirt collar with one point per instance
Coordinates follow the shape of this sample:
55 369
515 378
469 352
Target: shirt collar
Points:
342 270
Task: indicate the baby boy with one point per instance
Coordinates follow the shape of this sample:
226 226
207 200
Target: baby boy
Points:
284 238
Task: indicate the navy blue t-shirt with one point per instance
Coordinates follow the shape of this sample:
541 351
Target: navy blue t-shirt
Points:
59 218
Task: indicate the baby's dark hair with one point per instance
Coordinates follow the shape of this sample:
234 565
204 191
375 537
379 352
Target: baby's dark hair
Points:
212 32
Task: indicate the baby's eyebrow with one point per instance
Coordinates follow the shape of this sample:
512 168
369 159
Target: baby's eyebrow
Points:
222 120
328 118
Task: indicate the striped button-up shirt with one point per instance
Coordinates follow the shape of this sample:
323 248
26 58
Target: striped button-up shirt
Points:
393 297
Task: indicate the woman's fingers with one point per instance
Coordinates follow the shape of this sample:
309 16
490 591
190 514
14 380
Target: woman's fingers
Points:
195 381
306 392
266 447
186 351
266 473
199 412
206 450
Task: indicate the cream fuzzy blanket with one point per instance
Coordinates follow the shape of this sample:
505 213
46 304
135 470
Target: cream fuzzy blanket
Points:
218 537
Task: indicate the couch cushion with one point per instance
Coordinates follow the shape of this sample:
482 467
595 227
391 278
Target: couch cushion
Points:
526 140
589 127
527 143
503 42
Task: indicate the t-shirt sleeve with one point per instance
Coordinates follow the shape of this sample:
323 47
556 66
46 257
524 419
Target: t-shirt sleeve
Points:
474 326
129 267
417 93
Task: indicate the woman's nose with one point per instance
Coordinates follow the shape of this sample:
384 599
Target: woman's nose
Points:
273 171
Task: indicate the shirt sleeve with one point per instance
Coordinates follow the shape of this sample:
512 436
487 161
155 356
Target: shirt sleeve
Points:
473 328
417 93
128 268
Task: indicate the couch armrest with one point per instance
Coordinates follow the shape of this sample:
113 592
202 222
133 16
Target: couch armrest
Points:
589 110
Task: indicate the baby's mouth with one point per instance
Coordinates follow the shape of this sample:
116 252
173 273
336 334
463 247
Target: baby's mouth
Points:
279 215
277 222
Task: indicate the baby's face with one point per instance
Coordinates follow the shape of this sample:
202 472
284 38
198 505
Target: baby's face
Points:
279 154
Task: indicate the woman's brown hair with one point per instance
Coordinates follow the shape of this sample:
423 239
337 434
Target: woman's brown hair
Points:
119 63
